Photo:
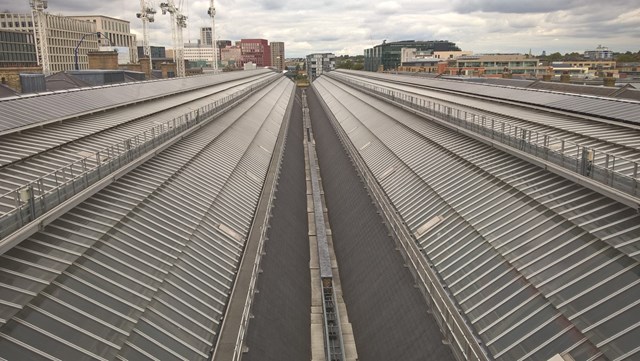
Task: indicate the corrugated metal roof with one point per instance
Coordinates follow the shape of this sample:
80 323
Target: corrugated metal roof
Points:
53 146
144 268
27 111
538 264
626 110
518 83
544 128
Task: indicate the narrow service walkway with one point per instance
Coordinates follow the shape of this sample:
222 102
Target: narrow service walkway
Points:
280 329
389 316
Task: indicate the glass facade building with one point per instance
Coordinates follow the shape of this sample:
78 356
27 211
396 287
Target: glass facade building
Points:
389 55
17 49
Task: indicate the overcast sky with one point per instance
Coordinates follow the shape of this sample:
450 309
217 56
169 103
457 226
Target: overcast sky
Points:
350 26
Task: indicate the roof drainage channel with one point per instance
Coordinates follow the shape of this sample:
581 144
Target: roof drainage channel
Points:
284 296
390 318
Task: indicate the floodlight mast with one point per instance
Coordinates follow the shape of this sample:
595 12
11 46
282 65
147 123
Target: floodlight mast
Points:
147 15
178 22
214 43
39 19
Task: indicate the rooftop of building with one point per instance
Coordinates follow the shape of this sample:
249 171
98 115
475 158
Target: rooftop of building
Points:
98 16
497 56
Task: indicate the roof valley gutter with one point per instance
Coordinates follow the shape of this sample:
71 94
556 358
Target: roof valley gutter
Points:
333 334
458 333
230 341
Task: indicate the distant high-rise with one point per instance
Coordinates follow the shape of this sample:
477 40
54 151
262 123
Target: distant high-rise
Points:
277 55
205 36
256 51
388 55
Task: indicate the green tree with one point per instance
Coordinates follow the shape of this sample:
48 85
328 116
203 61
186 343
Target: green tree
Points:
573 56
628 57
554 57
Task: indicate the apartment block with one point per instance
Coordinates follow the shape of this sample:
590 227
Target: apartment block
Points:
277 55
320 63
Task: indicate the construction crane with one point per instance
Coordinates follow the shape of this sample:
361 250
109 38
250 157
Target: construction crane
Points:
39 19
147 15
178 22
212 13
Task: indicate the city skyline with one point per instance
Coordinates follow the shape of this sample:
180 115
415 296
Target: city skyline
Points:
347 28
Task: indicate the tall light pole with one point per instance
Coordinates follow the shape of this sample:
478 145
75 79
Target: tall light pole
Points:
146 14
39 19
75 52
214 43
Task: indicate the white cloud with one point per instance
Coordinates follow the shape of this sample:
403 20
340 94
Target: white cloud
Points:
350 26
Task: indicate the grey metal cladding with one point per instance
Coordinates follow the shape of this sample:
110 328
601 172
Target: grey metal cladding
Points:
537 263
144 267
26 111
626 110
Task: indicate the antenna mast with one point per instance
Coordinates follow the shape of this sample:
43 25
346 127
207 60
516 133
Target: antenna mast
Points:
214 43
146 14
39 19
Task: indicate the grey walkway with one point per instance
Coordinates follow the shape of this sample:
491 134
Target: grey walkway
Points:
389 316
280 329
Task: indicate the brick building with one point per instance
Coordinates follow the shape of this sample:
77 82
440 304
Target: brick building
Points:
256 51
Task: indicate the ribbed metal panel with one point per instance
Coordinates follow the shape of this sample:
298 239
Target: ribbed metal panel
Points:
623 110
538 265
143 269
38 109
30 142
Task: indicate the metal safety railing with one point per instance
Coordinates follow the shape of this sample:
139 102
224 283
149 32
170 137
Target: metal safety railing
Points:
608 169
457 331
39 196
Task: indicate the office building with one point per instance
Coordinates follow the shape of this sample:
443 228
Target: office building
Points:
387 56
65 34
157 52
17 49
116 32
495 64
256 51
231 56
198 56
20 22
600 53
320 63
277 55
205 36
